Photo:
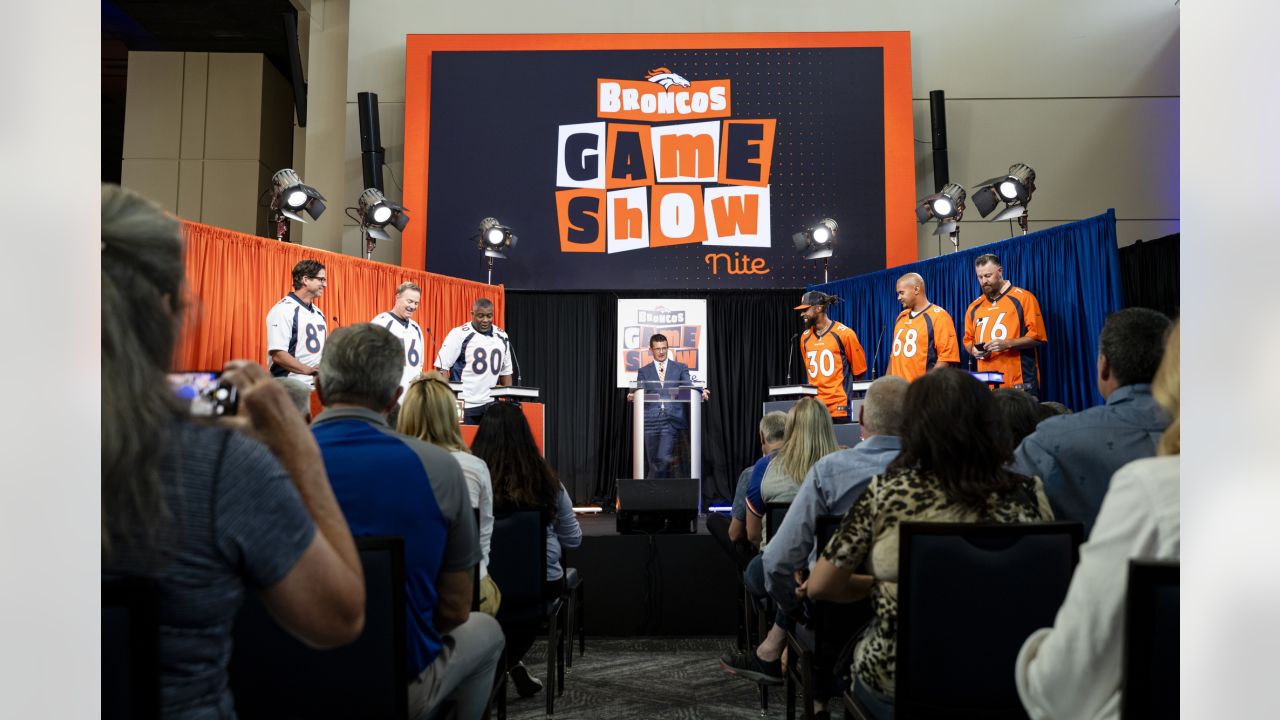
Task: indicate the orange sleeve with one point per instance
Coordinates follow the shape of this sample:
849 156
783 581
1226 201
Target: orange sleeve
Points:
944 338
853 350
1034 320
968 327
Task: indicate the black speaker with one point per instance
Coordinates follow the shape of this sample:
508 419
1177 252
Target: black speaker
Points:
371 151
662 506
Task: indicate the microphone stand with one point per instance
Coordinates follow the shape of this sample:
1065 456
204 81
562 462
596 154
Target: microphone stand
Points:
875 361
515 360
791 348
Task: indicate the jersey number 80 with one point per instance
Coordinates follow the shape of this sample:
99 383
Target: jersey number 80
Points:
483 362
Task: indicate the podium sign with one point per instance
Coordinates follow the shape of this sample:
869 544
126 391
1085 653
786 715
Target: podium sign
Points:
666 422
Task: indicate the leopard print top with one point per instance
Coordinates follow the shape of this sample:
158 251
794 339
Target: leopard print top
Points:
869 532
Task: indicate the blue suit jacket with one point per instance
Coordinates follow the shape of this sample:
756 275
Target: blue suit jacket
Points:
674 413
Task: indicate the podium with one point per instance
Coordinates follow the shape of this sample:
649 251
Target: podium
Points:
991 378
534 412
672 416
782 397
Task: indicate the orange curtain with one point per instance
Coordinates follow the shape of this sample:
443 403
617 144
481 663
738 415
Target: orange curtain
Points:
233 279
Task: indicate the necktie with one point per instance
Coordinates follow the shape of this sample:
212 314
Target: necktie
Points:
662 373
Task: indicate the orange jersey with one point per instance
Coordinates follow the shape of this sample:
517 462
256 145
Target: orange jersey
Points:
1015 314
922 340
832 360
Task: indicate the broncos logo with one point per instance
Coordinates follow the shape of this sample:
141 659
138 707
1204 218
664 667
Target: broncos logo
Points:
666 78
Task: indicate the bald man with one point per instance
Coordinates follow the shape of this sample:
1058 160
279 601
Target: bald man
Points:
923 335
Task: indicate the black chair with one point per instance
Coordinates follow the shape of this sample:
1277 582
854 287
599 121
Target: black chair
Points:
518 564
273 675
763 608
576 606
969 595
815 643
1152 604
130 649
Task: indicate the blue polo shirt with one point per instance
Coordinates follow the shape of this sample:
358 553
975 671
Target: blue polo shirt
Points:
392 484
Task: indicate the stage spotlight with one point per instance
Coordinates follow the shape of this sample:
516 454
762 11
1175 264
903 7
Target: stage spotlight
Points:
818 241
376 212
946 207
1013 188
494 238
290 196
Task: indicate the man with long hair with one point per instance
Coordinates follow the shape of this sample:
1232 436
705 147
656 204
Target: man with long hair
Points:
831 354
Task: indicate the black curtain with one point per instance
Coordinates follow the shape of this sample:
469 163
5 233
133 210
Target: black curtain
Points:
565 344
1149 270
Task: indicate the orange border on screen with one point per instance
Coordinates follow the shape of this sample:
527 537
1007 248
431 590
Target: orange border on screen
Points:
899 152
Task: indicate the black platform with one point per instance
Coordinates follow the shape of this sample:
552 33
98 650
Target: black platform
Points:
646 585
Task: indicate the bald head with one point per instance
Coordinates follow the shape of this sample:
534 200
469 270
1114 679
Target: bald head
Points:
911 292
882 408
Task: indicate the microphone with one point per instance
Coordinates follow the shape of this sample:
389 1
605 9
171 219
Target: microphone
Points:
875 361
791 348
334 318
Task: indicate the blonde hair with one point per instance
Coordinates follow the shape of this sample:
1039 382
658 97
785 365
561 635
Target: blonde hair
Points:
809 436
1165 390
430 412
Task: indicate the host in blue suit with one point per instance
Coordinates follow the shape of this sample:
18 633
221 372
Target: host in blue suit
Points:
663 421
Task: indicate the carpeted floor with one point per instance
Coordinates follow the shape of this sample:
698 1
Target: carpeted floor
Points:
643 678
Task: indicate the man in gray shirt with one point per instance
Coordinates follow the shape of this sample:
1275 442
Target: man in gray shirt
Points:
393 484
1076 455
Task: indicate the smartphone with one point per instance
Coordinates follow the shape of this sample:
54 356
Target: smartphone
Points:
204 393
980 347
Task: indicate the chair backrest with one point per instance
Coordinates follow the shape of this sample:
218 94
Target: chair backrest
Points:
1152 604
130 648
969 594
825 528
773 516
834 623
475 571
518 561
274 675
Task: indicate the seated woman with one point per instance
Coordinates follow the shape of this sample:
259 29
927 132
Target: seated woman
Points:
809 436
1073 669
205 511
522 480
955 445
429 411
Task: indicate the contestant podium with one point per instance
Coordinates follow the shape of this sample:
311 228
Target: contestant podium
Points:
782 397
526 397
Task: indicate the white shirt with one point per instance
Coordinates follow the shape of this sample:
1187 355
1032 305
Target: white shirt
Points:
1072 670
410 333
476 360
480 486
298 329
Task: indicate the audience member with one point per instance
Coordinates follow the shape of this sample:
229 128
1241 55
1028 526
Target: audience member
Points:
205 511
1021 411
429 411
1049 408
392 484
809 436
1076 455
1074 668
955 445
831 487
731 533
522 480
300 393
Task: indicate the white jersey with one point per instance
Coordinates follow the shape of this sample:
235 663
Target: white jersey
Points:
298 329
410 333
476 360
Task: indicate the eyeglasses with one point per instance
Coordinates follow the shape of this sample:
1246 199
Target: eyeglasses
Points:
323 280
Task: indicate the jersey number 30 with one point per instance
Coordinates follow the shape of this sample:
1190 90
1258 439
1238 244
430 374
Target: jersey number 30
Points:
482 362
824 363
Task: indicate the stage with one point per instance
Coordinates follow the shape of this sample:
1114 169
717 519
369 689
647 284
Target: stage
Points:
646 585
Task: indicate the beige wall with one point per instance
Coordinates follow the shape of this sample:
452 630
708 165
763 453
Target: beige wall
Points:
1086 92
204 132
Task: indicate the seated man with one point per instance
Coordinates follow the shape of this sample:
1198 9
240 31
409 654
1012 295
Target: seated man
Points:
732 533
392 484
1076 455
832 486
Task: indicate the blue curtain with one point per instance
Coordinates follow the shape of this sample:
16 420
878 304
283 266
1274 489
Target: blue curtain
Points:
1073 270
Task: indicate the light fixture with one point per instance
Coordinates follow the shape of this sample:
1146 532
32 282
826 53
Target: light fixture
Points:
1014 189
374 212
290 196
494 238
946 207
817 242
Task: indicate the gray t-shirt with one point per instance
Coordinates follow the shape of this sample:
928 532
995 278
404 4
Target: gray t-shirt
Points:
238 522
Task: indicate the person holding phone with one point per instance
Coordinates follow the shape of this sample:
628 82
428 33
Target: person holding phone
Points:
1003 328
206 512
